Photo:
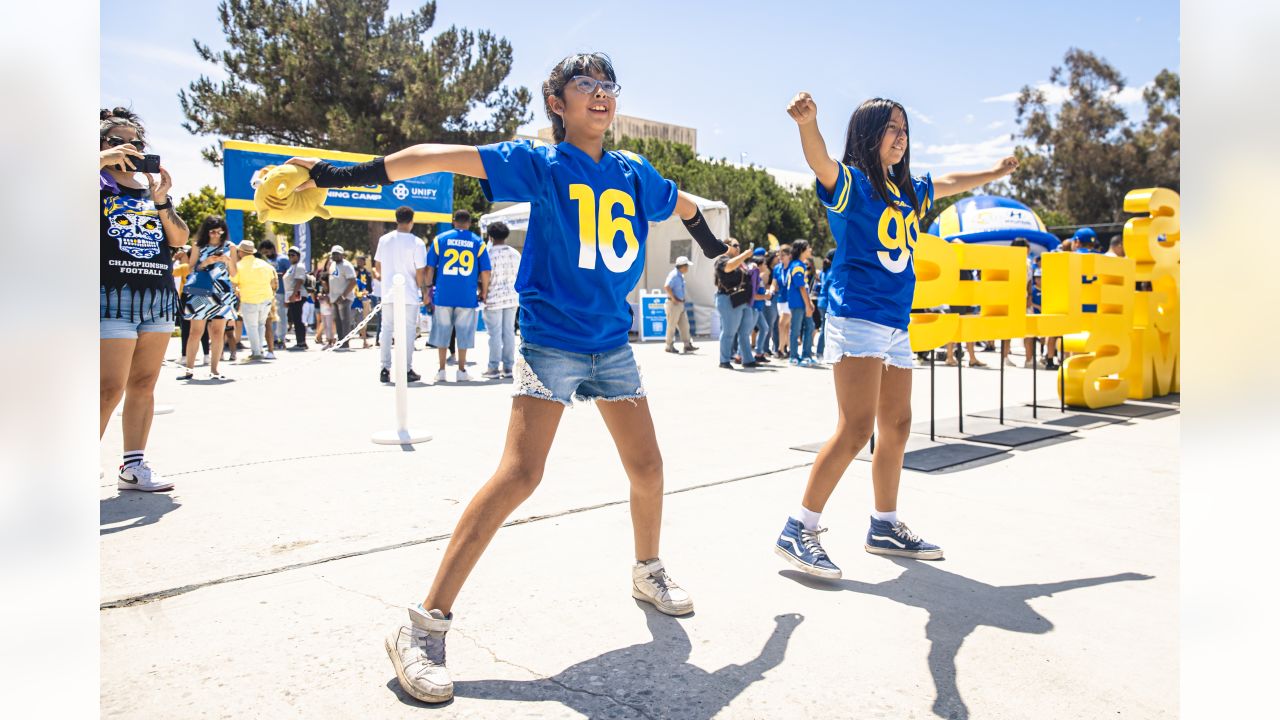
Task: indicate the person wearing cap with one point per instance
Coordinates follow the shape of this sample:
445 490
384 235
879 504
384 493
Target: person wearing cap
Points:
760 280
256 283
823 287
1085 241
677 319
295 297
342 291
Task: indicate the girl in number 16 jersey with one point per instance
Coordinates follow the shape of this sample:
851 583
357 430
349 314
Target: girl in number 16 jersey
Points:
874 207
590 213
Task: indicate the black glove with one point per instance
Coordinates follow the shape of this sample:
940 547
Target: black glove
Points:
697 227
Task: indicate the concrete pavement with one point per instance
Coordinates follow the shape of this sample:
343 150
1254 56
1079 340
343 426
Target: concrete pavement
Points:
263 585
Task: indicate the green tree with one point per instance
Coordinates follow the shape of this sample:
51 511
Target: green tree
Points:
342 74
1078 161
206 201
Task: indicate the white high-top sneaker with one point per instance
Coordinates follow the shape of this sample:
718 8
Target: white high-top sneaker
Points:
651 583
417 652
141 477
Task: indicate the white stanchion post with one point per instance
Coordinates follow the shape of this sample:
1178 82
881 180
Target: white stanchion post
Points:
401 435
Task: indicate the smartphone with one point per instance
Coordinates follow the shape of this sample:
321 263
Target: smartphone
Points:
145 164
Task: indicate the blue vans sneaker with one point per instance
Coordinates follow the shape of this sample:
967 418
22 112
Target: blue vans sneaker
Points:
802 549
885 538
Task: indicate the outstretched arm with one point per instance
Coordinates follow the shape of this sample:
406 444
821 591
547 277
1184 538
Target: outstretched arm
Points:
958 182
805 112
411 162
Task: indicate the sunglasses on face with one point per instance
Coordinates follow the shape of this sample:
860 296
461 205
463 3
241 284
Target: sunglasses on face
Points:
586 85
115 141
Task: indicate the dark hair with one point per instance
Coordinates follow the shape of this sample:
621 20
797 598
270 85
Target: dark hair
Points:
211 222
268 243
498 231
784 248
404 214
1116 240
798 247
461 216
867 126
119 117
1019 242
563 72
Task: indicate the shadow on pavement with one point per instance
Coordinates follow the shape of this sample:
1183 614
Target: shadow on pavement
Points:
144 508
653 679
957 606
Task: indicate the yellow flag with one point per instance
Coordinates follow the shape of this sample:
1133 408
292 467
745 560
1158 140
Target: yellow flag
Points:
773 242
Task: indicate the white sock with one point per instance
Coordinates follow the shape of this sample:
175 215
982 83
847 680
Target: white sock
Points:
808 518
890 517
132 458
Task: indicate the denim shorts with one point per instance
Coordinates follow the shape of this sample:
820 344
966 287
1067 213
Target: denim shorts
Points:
446 319
853 337
132 320
553 374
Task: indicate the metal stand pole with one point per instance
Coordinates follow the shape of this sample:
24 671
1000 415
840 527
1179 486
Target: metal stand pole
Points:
960 385
932 412
1035 355
1001 361
1062 375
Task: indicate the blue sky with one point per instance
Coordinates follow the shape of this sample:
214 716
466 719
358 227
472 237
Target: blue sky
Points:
727 69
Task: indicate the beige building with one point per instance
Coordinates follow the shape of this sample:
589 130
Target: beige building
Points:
627 126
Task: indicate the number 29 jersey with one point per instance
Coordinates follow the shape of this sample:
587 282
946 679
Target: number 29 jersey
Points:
873 276
584 248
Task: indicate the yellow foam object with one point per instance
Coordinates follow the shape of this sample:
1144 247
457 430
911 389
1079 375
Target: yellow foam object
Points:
275 199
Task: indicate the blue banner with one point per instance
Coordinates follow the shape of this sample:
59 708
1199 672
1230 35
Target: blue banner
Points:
430 196
302 242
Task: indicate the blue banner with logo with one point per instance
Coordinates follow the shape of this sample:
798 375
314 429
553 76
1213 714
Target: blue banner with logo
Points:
430 196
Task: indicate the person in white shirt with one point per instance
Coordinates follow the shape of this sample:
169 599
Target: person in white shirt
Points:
400 253
502 302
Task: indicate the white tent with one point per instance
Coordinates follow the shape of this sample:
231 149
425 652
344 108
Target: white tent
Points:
667 240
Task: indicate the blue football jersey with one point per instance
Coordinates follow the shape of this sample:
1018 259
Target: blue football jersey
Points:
584 250
795 284
872 275
459 256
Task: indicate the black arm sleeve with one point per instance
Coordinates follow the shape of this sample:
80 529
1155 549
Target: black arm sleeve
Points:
697 227
373 172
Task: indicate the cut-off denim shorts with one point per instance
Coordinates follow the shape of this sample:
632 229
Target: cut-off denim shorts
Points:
135 316
563 376
854 337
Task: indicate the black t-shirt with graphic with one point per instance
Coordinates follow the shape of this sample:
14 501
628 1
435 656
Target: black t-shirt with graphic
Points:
136 260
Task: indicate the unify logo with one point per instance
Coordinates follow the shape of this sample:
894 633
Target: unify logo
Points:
400 191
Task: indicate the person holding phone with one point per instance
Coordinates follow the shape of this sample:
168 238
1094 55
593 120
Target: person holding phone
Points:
138 302
210 300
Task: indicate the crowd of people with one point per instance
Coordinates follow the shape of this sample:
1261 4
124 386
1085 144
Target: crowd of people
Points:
771 305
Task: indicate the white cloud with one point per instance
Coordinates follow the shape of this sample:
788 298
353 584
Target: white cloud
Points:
968 119
1057 94
169 57
995 125
955 156
914 113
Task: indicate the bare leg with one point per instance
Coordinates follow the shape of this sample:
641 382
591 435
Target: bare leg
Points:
893 421
217 331
139 398
631 426
197 332
857 387
443 354
529 434
462 359
114 357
